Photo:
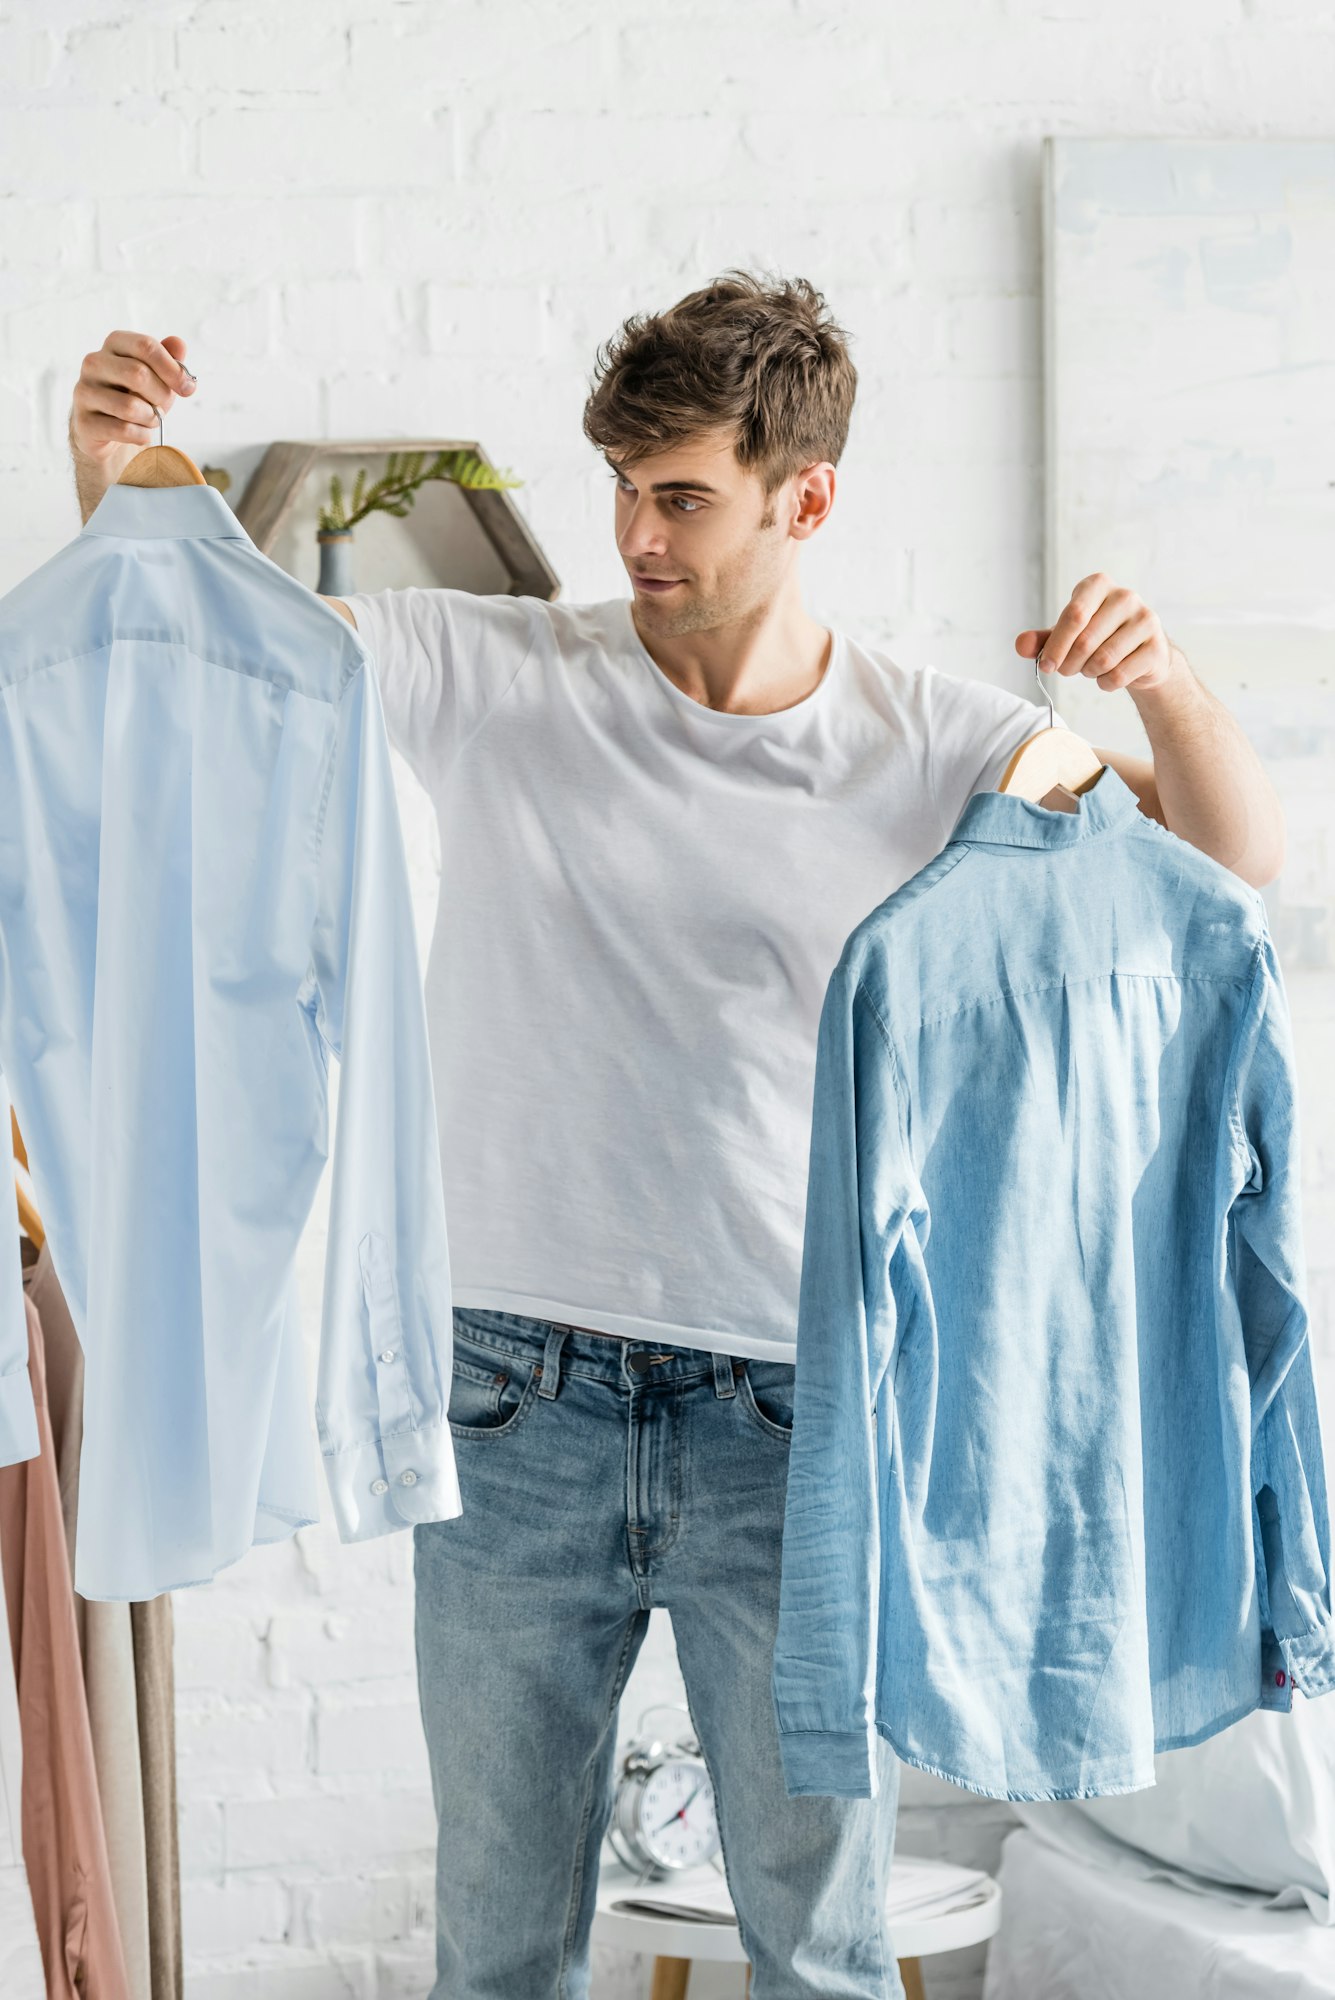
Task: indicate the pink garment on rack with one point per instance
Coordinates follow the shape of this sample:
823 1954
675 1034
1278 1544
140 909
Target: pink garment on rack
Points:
147 1899
64 1846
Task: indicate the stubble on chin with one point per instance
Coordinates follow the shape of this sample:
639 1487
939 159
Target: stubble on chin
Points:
695 613
682 618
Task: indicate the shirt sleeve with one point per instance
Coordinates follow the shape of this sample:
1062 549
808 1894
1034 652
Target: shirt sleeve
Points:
860 1220
445 660
386 1334
18 1414
1290 1520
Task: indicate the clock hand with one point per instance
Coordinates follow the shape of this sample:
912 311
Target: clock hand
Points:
681 1810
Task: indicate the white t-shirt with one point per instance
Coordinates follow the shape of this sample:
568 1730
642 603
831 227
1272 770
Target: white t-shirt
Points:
641 903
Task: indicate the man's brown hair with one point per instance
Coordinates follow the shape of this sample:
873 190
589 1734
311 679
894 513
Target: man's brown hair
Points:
760 357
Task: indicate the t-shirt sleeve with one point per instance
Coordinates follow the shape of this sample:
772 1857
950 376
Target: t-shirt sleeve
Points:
444 660
974 729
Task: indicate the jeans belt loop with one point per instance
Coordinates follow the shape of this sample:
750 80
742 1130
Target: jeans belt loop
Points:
725 1382
551 1362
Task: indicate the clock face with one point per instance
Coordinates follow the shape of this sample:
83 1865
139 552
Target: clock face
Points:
677 1824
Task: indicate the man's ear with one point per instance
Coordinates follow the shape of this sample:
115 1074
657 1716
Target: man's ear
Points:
816 499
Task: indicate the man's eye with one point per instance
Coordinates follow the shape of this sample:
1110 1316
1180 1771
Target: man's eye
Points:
680 500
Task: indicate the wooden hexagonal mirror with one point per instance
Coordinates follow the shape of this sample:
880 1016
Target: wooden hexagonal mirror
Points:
470 538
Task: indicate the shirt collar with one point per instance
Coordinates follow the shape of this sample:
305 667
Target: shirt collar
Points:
155 513
1003 819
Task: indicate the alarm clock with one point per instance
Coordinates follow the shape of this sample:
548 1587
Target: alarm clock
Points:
663 1810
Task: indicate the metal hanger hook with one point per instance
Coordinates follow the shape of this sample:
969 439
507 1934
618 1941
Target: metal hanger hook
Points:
1052 713
158 414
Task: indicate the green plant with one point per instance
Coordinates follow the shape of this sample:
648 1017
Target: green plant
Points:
395 491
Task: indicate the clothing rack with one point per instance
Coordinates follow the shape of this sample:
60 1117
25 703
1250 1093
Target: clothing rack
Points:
87 1764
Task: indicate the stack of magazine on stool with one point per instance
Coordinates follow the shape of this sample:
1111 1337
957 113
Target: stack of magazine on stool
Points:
918 1888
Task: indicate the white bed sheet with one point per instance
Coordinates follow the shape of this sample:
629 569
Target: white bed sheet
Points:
1071 1932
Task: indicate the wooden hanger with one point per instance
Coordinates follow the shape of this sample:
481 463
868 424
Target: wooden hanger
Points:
28 1216
161 465
1054 767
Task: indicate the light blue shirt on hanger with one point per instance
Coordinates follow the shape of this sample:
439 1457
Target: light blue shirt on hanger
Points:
203 896
1056 1494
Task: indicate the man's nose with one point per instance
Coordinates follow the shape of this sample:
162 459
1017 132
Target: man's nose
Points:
642 534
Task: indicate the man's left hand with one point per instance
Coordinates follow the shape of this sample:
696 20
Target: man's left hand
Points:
1109 635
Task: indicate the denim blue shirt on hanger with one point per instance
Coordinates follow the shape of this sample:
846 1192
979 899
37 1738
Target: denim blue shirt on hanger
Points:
1056 1498
203 895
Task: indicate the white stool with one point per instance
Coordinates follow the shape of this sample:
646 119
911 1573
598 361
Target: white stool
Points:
675 1941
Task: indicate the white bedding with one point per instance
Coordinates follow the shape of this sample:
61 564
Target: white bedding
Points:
1248 1815
1072 1932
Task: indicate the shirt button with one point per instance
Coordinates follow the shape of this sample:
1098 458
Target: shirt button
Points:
388 1354
380 1486
1279 1678
408 1478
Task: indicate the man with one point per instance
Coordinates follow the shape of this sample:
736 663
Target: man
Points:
660 818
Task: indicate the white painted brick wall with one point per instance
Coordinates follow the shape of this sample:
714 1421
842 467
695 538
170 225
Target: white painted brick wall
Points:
410 217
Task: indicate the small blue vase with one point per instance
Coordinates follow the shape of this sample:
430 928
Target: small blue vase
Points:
335 563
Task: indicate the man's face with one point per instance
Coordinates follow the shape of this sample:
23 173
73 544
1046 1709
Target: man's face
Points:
697 524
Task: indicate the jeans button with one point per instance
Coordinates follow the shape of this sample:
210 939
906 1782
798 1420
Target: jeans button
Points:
639 1364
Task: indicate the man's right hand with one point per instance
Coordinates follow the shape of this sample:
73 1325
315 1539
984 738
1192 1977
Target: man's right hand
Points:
112 416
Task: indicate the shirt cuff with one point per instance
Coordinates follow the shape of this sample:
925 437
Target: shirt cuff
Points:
18 1418
829 1763
1310 1661
393 1482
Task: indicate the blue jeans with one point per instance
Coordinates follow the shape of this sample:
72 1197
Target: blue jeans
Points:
602 1477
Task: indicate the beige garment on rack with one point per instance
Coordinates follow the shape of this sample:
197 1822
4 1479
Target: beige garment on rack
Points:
131 1715
155 1679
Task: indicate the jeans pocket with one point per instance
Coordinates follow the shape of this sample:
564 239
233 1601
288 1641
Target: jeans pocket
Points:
491 1391
765 1393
